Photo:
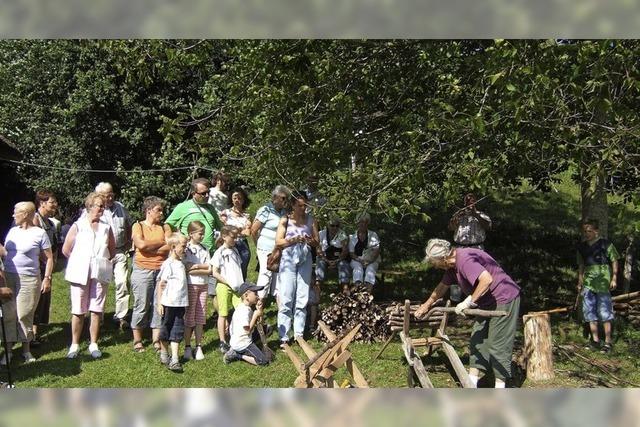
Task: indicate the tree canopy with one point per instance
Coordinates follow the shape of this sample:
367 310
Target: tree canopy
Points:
393 126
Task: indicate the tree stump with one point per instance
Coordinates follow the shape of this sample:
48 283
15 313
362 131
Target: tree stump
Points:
538 347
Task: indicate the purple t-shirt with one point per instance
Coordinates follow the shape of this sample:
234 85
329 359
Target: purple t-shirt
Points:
23 249
470 263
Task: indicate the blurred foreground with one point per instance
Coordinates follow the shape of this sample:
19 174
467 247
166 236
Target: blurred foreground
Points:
288 407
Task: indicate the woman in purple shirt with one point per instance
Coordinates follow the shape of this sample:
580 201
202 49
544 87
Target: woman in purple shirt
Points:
488 287
25 244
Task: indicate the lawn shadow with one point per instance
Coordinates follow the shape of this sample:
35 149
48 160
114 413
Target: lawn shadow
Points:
60 367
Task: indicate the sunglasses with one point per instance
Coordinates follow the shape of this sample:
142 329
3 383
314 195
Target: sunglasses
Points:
204 193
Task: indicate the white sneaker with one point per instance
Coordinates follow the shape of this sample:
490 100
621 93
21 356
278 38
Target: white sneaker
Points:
188 353
199 353
73 351
28 357
95 351
3 360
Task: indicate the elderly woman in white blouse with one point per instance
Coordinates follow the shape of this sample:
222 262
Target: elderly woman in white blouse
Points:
364 248
90 247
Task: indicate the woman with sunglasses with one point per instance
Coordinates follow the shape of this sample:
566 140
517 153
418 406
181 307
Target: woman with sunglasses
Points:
263 232
90 247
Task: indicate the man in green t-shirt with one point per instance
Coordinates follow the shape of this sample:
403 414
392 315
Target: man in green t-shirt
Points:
198 209
597 275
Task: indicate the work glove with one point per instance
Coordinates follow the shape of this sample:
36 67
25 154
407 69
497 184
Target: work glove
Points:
467 303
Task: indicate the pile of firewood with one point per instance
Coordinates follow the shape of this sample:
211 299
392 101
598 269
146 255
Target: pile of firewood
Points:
346 311
628 306
395 318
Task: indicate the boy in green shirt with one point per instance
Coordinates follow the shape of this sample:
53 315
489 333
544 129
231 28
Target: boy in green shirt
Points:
597 274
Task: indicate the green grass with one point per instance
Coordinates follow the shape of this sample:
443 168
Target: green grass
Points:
533 239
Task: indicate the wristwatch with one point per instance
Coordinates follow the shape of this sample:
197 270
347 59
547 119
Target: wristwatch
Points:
48 277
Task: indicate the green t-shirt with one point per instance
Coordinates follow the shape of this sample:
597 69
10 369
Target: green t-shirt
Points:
597 277
189 211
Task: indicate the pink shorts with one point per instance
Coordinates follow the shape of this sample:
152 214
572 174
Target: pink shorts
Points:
90 297
196 313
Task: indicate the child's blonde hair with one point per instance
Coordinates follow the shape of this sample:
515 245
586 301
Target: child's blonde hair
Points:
176 238
195 226
226 230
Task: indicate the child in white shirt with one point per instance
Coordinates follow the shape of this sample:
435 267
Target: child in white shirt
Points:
242 325
173 298
227 270
196 261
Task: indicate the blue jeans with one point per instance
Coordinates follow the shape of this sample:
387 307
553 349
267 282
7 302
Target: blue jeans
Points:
245 255
344 271
293 291
253 351
596 306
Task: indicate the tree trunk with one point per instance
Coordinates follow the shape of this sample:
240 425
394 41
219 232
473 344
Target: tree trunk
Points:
594 201
538 347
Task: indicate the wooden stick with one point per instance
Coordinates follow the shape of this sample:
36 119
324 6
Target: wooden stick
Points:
468 312
553 310
351 365
455 361
263 337
625 296
386 344
407 311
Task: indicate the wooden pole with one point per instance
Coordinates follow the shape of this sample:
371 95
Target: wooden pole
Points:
625 296
386 344
538 347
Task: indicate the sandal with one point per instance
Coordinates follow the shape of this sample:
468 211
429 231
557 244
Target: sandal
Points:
138 347
156 346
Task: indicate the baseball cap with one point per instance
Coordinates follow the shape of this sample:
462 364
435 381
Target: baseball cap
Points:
248 286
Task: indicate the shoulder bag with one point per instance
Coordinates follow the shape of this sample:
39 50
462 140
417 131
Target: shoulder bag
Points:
273 259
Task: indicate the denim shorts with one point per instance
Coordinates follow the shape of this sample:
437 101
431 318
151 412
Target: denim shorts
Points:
596 306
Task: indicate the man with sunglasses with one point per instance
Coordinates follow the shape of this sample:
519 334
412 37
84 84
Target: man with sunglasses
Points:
197 208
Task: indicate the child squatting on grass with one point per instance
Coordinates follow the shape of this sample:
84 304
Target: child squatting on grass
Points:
226 268
196 261
173 298
243 325
597 274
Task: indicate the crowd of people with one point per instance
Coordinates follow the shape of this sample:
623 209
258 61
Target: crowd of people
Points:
199 253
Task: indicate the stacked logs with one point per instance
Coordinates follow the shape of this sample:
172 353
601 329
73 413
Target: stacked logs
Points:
628 306
346 311
395 318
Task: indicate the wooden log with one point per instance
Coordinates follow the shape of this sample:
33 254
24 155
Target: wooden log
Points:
422 342
538 347
405 326
624 297
352 368
412 323
553 310
445 318
455 361
437 317
426 326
